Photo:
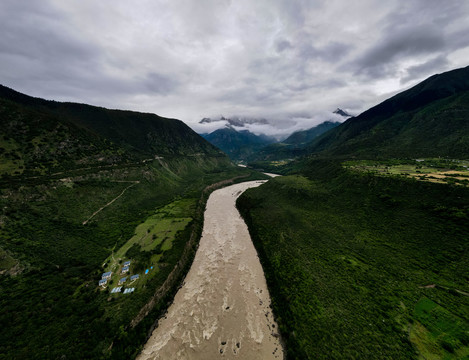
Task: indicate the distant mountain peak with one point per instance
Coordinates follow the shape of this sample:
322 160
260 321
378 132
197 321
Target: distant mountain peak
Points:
238 144
235 121
341 112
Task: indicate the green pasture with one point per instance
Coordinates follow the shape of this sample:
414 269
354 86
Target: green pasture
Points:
437 333
157 232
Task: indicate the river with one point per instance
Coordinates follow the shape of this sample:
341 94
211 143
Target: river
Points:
222 311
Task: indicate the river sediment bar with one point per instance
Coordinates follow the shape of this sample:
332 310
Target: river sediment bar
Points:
223 309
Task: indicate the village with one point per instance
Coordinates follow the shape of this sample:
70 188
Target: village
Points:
121 287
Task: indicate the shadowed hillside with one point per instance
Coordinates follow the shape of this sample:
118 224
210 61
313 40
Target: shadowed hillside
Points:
32 122
430 119
305 136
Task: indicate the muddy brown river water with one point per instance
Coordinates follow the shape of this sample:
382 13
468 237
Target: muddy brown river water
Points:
223 309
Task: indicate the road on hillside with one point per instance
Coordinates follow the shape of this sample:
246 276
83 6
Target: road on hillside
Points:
223 309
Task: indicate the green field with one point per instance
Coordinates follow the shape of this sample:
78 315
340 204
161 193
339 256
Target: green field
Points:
437 333
432 170
151 239
348 255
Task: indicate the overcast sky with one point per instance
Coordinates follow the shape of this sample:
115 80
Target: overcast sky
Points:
189 59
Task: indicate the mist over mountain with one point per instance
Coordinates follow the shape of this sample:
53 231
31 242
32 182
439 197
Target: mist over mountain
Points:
235 121
306 136
293 146
277 126
248 138
111 192
341 112
237 144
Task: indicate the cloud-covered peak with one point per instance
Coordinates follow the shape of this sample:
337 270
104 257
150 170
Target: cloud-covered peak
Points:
275 127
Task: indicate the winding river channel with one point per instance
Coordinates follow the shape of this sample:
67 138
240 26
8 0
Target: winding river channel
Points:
222 311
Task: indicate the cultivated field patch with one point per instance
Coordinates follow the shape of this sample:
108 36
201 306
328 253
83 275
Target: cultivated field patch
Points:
153 237
432 170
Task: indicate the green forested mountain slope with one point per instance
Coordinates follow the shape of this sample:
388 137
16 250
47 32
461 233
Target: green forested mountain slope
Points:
306 136
238 145
365 265
293 146
430 119
361 266
76 182
141 134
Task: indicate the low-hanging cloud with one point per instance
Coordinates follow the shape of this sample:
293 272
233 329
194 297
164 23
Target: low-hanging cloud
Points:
277 127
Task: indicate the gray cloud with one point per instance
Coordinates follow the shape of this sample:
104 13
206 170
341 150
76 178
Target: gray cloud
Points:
159 84
283 45
383 57
278 59
428 68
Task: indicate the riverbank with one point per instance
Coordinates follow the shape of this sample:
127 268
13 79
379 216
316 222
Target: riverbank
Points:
223 308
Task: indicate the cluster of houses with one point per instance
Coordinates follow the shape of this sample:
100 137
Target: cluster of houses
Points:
104 278
125 269
118 289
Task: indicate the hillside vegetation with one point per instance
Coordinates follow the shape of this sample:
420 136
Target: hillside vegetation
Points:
429 120
79 185
292 147
41 136
365 242
364 266
303 137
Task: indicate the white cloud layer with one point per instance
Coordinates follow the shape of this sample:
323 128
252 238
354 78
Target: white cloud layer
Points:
290 61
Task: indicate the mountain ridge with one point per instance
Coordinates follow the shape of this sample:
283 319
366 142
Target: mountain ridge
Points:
238 145
43 135
396 122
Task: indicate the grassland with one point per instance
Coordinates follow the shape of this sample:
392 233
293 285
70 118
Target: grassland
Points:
437 333
348 258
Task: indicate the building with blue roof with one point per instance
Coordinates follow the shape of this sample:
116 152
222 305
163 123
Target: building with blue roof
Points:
106 275
134 277
102 282
127 263
121 281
